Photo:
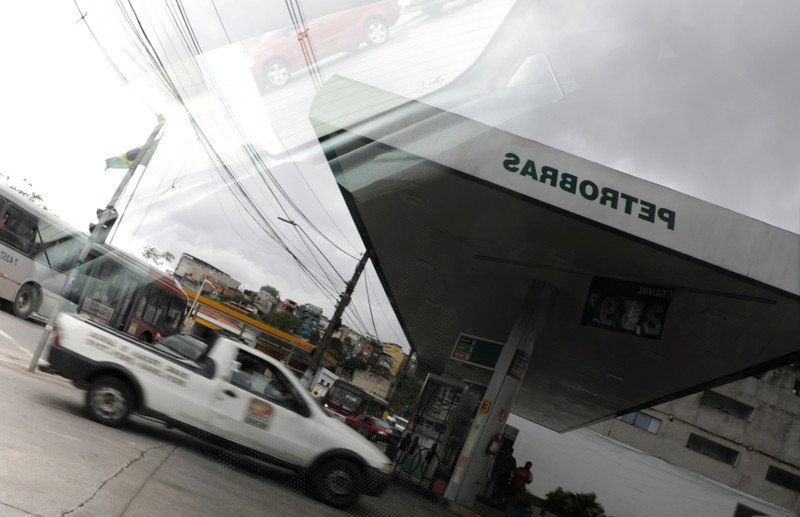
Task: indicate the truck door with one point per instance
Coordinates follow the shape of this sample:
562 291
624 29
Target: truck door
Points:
260 408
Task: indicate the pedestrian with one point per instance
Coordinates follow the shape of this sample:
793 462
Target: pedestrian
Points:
504 465
522 476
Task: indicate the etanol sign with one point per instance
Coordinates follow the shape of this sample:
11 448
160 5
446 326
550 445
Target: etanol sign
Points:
627 307
590 191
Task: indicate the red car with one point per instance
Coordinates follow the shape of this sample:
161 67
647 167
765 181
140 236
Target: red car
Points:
373 428
279 53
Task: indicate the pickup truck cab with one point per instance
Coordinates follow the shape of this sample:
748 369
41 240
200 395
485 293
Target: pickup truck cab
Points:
228 393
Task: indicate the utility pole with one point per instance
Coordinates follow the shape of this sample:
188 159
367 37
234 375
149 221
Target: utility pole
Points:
105 220
335 322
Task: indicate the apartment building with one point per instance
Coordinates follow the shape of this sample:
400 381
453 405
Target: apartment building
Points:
193 271
745 435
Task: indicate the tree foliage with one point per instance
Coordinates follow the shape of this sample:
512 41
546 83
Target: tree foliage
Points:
573 504
336 348
271 290
284 321
356 362
157 257
405 395
30 196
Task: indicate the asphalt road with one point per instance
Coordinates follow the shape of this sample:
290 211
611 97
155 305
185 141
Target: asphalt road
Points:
54 461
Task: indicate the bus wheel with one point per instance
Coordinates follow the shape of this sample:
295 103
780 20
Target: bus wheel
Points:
25 302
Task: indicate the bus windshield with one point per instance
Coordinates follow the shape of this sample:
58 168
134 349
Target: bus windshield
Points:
344 398
348 399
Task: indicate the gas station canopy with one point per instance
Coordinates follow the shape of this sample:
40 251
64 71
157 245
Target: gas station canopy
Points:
658 294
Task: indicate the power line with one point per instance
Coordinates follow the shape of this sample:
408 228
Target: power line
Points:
244 200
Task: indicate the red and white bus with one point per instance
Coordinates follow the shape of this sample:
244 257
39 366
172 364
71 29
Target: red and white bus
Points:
349 400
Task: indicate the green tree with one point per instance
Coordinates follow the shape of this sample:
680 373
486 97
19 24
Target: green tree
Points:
271 290
284 321
405 395
382 370
356 362
573 504
30 196
336 348
152 254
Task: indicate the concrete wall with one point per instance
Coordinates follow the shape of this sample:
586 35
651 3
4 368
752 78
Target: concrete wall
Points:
371 384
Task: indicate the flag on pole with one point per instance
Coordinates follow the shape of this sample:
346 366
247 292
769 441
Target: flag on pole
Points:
126 160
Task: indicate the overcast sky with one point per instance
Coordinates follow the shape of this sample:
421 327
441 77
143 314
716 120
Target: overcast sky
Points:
702 100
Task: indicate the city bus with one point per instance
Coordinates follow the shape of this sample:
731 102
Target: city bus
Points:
347 400
127 294
37 253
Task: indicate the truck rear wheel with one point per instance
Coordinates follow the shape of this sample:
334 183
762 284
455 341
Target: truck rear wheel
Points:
337 483
108 401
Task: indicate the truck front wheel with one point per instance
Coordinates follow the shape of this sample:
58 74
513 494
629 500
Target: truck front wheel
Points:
108 401
337 483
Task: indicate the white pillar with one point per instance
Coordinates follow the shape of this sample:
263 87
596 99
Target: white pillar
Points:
511 367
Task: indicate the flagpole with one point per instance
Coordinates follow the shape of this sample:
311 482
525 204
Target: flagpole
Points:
105 219
144 149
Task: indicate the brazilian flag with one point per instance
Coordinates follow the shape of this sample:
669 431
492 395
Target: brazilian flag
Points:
126 160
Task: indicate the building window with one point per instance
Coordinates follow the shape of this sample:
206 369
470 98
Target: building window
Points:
727 405
642 421
712 449
783 478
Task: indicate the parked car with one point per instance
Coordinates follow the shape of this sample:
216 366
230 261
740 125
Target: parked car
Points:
279 54
372 427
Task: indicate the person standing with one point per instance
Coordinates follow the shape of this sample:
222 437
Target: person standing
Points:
504 465
522 476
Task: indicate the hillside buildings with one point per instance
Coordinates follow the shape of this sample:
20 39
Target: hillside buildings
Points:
199 276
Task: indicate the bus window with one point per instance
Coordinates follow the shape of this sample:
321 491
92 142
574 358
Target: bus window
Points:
158 312
57 247
107 288
17 228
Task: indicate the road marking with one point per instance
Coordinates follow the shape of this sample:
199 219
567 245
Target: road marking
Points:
7 337
30 354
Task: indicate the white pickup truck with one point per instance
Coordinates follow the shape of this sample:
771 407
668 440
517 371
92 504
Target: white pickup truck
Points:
227 392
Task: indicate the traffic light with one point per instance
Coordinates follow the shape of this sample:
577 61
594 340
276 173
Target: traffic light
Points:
105 219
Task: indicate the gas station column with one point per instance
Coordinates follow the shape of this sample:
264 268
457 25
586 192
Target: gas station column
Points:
471 468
